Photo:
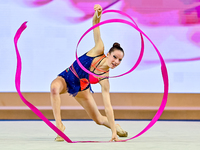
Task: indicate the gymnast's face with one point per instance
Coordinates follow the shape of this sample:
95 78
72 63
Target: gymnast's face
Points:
114 58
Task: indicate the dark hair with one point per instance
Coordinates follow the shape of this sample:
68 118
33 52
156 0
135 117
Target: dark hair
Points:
116 46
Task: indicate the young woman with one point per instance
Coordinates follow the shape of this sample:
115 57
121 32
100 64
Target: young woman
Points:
77 82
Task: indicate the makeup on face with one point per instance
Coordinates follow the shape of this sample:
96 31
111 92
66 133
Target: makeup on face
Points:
115 58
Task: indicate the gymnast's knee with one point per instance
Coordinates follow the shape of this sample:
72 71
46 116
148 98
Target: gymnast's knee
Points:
54 89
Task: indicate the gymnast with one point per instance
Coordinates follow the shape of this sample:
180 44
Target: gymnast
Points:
77 82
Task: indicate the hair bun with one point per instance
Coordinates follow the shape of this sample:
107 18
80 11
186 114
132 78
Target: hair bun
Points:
116 44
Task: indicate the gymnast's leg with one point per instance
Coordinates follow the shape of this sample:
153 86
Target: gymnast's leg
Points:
58 86
86 100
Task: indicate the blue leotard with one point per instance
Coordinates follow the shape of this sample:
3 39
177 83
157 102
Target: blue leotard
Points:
73 83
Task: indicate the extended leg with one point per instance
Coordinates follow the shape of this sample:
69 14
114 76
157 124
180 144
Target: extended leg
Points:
86 100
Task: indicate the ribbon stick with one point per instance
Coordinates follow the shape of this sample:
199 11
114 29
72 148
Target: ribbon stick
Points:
134 25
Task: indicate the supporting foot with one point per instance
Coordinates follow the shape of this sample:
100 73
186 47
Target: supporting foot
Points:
59 138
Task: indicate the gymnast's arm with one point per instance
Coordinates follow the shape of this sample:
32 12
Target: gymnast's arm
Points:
105 87
99 46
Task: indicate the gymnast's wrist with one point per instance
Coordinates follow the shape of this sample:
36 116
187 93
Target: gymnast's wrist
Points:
98 13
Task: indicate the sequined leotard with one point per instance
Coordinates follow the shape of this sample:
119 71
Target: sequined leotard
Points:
77 79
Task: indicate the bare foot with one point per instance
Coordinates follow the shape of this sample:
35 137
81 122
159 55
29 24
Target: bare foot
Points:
120 131
59 138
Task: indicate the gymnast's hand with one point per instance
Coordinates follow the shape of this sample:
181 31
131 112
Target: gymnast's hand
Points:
98 8
115 138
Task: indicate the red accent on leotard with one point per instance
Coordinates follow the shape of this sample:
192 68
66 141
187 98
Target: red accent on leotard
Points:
93 79
83 82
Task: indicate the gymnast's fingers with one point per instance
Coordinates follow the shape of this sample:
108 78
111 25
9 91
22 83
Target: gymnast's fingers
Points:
98 7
